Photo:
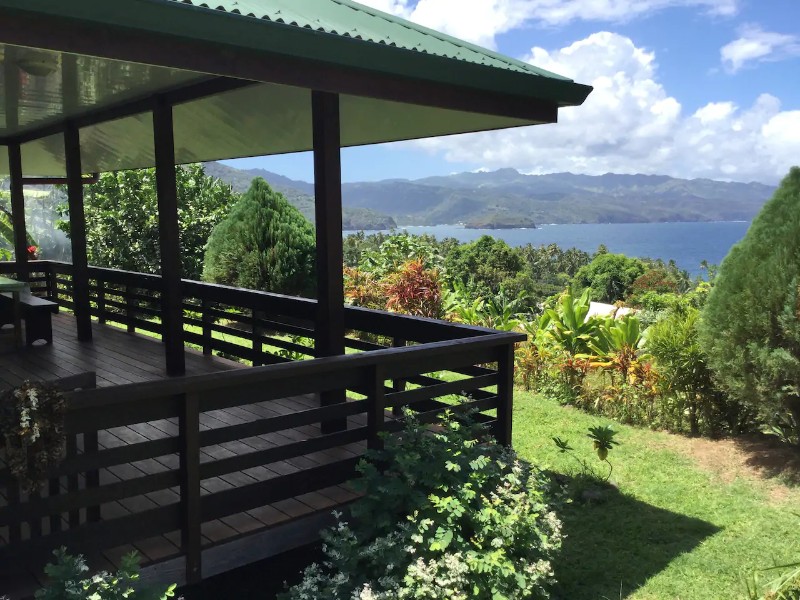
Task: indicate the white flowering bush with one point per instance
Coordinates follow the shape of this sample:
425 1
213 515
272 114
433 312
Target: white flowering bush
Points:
69 579
446 514
32 432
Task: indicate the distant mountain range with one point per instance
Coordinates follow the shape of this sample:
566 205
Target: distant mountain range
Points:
507 198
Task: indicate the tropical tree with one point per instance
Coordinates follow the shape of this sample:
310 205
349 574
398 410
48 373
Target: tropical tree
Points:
751 320
618 345
573 333
683 370
122 218
609 277
484 265
264 243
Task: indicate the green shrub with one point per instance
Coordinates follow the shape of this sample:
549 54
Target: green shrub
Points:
68 581
751 321
609 277
682 365
264 243
122 218
446 514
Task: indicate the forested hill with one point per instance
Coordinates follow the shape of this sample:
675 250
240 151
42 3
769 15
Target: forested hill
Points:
301 195
503 197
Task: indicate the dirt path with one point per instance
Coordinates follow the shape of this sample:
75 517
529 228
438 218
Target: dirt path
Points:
753 458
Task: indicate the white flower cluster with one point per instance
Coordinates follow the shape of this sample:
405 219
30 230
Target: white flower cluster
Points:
28 406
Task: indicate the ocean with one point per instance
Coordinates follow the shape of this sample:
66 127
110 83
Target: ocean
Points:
688 244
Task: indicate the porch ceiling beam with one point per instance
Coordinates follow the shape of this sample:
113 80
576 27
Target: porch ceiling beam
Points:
129 108
89 180
169 236
230 61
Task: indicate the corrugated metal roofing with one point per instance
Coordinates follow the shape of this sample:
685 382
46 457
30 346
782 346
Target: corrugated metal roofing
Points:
350 19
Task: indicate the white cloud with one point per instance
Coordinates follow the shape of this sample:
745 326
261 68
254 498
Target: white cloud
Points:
757 45
480 21
631 124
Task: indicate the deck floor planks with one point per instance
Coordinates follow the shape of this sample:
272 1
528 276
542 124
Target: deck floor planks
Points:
118 357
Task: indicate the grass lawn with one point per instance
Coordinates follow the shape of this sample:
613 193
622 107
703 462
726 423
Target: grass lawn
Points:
691 520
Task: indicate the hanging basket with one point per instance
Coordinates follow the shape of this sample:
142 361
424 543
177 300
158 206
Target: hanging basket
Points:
32 436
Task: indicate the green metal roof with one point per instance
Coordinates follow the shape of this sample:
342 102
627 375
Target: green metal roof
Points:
396 80
350 19
336 32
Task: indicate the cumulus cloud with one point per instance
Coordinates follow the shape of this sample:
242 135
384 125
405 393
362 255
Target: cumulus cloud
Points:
631 124
480 21
756 45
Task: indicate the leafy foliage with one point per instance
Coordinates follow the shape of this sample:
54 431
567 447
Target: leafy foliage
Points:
68 581
122 218
32 432
609 277
264 243
451 515
485 265
603 440
414 290
751 321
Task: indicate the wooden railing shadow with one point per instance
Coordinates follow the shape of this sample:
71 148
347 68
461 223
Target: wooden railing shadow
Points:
613 547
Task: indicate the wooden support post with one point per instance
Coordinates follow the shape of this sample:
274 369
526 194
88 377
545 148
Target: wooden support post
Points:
130 308
398 385
505 394
205 306
77 228
329 327
91 445
101 300
257 330
169 236
72 480
376 413
18 211
191 539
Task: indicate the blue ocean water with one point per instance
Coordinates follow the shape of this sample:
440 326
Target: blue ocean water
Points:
688 244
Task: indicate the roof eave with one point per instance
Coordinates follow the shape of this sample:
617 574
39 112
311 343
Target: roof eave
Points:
238 33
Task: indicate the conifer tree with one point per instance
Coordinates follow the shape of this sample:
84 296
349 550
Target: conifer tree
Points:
751 321
264 243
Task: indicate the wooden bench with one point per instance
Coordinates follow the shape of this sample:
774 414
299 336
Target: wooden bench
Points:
35 311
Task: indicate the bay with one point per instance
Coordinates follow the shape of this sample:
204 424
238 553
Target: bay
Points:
688 244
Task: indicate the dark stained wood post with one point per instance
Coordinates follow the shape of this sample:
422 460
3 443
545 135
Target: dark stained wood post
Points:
505 394
376 413
169 236
18 210
191 538
77 232
329 328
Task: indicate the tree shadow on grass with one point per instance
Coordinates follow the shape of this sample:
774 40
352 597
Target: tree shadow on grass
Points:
770 458
614 547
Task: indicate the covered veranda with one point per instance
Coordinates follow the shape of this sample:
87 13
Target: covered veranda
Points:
90 86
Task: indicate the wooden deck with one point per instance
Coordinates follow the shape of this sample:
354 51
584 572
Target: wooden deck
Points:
118 358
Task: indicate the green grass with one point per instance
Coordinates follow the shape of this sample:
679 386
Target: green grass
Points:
674 531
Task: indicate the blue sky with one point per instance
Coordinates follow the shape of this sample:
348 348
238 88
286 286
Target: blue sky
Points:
689 88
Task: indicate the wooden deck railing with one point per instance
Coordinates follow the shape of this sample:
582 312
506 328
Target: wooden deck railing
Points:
479 364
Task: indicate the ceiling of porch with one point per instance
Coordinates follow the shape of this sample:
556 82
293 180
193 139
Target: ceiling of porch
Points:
44 88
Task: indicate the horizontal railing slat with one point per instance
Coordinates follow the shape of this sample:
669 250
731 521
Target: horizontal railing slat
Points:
404 398
102 534
90 496
230 433
265 457
248 497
